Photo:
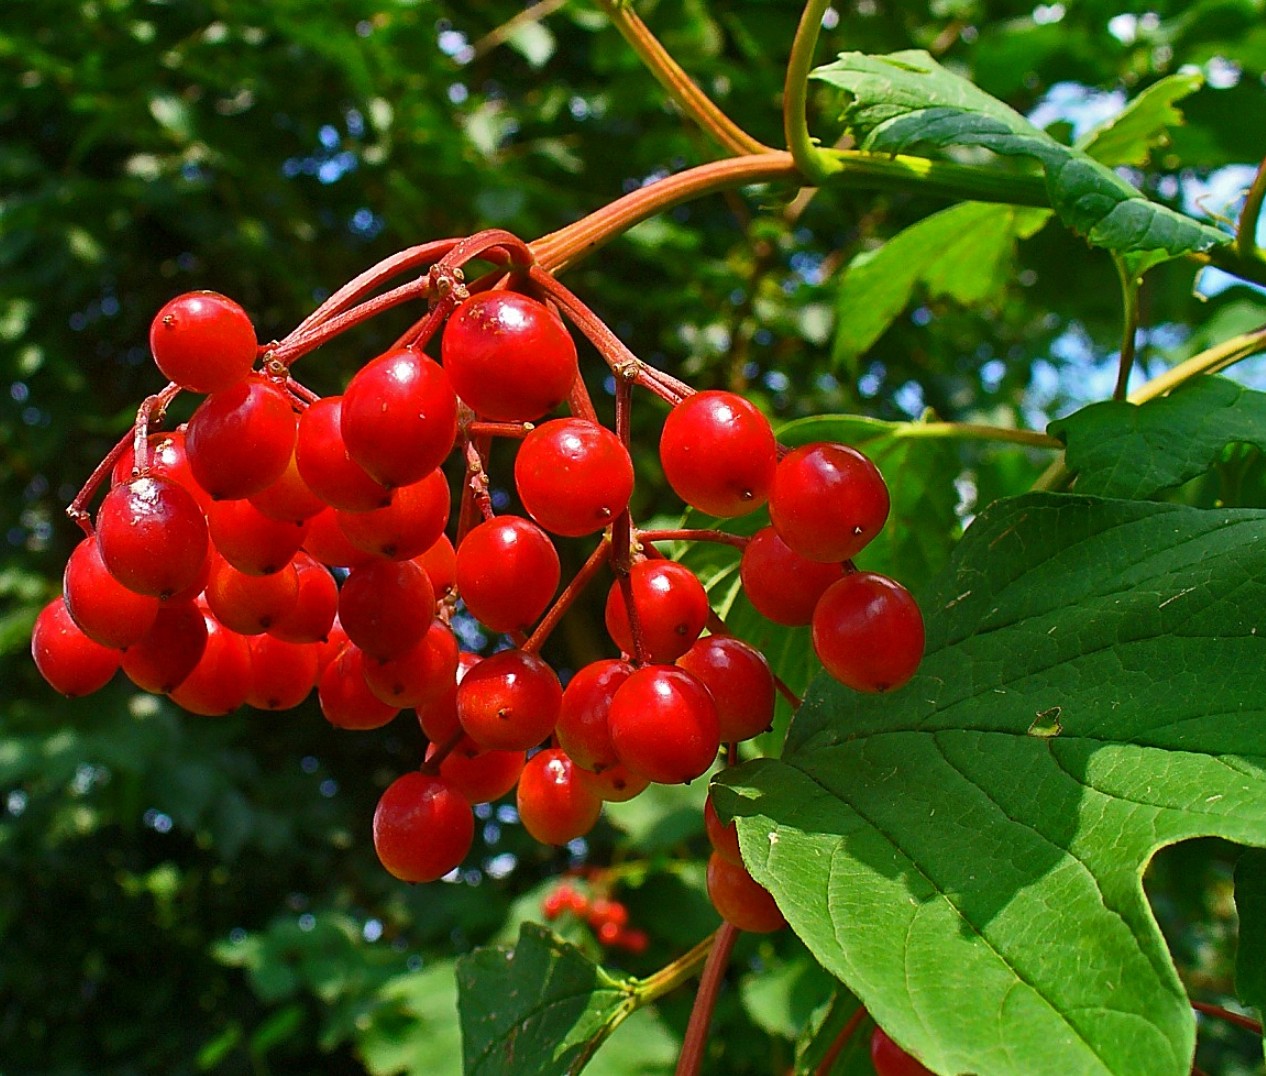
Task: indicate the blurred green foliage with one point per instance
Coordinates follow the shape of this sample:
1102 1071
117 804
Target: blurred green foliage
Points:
186 895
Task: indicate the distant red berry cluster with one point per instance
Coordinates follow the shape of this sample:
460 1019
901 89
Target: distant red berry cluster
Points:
607 918
280 542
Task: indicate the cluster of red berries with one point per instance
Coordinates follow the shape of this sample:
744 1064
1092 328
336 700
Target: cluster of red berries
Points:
607 918
281 541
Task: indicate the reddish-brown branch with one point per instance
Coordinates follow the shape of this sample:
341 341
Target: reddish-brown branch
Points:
302 341
1238 1019
442 751
516 430
841 1040
600 556
738 541
696 1041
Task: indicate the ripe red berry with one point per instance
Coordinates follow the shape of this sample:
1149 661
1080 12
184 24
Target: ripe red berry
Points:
345 698
422 828
71 662
782 585
615 784
152 535
868 632
250 604
477 775
327 543
408 526
889 1059
554 806
386 607
722 837
282 674
740 899
670 605
288 499
329 471
221 680
421 674
828 501
574 477
105 610
399 417
316 604
583 728
509 357
203 341
170 649
664 724
740 680
167 459
251 541
440 564
509 701
507 572
719 453
240 439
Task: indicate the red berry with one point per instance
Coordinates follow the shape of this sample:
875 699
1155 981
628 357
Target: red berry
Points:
635 941
399 417
607 933
170 649
828 501
438 717
250 604
574 477
554 807
507 572
615 784
603 911
889 1059
671 607
740 680
419 675
288 499
167 459
203 341
251 541
386 607
868 632
722 837
71 662
440 564
664 724
719 453
240 439
782 585
509 357
326 542
422 828
509 701
310 618
105 610
410 525
345 698
221 680
583 728
740 899
152 535
477 775
282 674
329 471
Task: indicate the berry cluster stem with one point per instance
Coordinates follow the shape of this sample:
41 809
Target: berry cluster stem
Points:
691 1058
600 556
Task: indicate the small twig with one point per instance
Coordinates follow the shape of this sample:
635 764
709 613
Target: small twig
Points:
696 1040
841 1040
1238 1019
600 556
738 541
1130 300
497 37
432 764
1246 232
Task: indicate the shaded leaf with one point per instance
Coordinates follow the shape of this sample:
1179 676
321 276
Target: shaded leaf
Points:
906 99
541 1007
412 1027
978 887
1120 449
1250 906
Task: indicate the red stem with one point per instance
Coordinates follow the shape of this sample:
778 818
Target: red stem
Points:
1246 1022
517 430
692 1049
841 1040
302 341
600 556
432 764
738 541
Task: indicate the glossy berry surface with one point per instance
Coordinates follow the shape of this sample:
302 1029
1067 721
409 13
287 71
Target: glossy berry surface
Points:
421 674
583 728
344 696
889 1059
721 835
664 724
72 663
782 585
422 828
250 604
221 680
509 357
386 607
324 464
615 784
240 440
553 805
719 453
161 660
574 477
408 526
479 776
282 674
828 501
152 536
105 610
251 541
670 605
739 899
203 341
868 632
507 572
399 417
739 680
509 701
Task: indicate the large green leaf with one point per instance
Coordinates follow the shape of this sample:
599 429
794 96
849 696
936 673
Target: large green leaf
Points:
966 854
1119 449
541 1007
906 99
963 253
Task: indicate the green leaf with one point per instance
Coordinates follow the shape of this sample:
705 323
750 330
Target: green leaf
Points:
1120 449
1130 137
1250 906
906 99
974 879
963 253
412 1027
541 1007
823 1031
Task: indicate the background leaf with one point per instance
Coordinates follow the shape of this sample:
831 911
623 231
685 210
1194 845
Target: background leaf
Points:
964 849
1130 136
1250 906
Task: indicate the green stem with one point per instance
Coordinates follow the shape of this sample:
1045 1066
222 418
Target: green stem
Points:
671 976
1130 299
680 86
1246 233
973 431
816 165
